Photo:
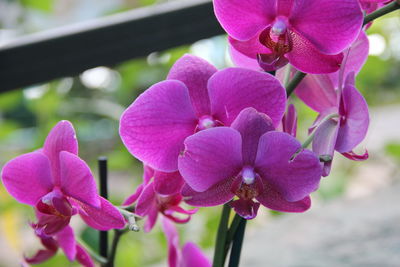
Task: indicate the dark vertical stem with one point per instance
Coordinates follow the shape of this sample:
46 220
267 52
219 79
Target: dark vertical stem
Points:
117 236
103 237
234 258
381 12
298 77
220 242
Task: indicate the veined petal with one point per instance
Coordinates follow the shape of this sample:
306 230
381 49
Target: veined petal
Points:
210 156
192 256
105 218
154 126
61 138
66 240
234 89
330 25
167 183
77 180
28 177
317 92
146 200
244 19
218 194
250 48
355 126
194 72
251 125
274 200
305 57
282 163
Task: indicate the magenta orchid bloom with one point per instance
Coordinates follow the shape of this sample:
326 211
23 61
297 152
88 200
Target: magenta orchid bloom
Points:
189 256
195 97
65 240
345 130
160 195
249 161
59 184
309 34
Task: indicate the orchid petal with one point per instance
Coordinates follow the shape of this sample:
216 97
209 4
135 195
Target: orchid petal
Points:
251 125
154 126
61 138
289 121
152 215
132 198
77 180
247 209
204 161
28 177
273 200
83 257
234 89
306 58
67 243
173 242
105 218
244 19
281 162
146 200
194 72
332 30
353 156
218 194
249 48
168 183
192 256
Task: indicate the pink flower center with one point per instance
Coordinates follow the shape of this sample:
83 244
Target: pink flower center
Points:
247 185
277 37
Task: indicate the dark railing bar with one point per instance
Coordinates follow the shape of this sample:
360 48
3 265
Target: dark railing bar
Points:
107 41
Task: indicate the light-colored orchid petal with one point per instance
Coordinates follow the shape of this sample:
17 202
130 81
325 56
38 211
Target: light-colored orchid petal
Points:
105 218
192 256
317 92
210 156
67 243
324 141
282 162
233 89
28 177
77 180
330 25
61 138
356 119
154 126
251 125
306 58
244 19
218 194
168 183
194 72
273 200
83 257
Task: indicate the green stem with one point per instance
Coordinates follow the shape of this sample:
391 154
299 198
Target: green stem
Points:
117 236
219 252
381 12
231 232
298 77
234 258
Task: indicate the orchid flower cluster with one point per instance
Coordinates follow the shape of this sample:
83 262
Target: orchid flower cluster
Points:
211 137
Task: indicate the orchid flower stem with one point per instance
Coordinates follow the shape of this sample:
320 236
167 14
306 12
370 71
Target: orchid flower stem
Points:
234 258
231 232
298 77
220 243
103 235
117 236
381 12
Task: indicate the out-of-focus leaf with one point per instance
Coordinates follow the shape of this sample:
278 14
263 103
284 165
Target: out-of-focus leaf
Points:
43 5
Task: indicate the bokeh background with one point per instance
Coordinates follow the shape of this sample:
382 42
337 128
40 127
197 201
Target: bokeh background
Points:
94 101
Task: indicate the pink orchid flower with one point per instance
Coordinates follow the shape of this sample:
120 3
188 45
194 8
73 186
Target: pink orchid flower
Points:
189 256
63 239
371 5
159 193
194 97
59 184
249 161
310 34
324 94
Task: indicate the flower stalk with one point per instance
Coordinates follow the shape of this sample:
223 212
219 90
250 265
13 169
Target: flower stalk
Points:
219 252
382 11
